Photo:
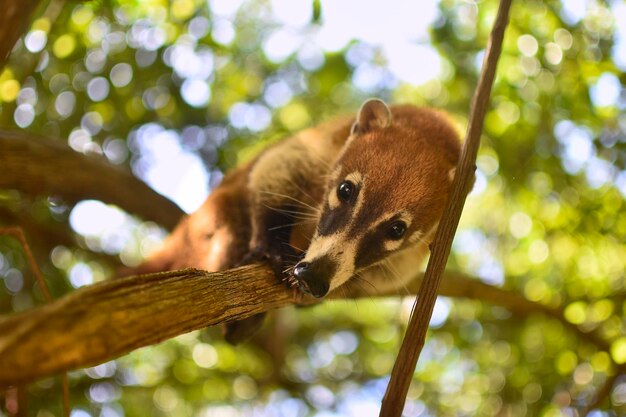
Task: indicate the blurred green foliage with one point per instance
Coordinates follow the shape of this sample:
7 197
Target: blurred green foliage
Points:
546 217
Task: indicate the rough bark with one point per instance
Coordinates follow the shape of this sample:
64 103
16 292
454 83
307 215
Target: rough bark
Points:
14 17
111 318
108 319
39 166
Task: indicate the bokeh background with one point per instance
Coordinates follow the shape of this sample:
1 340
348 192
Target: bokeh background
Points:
179 91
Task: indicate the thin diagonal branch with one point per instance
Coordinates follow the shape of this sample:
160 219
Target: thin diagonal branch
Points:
414 339
45 235
18 234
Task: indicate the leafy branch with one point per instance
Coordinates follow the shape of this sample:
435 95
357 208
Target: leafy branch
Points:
40 166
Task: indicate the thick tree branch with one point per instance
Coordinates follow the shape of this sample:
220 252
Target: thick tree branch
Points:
111 318
40 166
415 337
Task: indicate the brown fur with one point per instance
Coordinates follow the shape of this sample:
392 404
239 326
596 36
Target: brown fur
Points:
413 156
404 156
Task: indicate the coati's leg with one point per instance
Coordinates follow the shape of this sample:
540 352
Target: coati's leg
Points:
214 238
284 185
270 239
274 224
225 243
273 221
221 239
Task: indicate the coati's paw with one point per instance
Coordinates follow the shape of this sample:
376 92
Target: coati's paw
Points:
282 270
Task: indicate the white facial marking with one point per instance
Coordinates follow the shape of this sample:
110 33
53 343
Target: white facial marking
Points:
343 251
340 250
324 245
333 200
402 216
355 177
390 245
345 261
416 236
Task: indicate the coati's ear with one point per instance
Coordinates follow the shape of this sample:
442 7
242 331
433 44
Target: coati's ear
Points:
373 113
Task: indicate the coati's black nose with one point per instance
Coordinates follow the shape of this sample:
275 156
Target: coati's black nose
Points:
314 277
300 269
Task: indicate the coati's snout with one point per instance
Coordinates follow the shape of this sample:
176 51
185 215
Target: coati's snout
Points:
314 277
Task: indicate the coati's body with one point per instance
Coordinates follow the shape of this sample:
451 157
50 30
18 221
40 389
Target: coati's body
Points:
351 197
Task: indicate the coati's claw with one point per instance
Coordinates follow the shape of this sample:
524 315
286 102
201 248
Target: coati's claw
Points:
292 282
289 280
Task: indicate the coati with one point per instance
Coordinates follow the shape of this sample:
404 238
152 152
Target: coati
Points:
334 205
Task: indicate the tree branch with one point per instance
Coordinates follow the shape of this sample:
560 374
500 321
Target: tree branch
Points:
111 318
13 20
415 337
40 166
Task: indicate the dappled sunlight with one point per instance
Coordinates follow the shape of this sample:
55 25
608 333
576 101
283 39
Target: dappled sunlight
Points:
179 92
107 229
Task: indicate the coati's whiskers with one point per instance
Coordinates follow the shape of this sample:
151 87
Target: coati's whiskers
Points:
288 197
302 190
282 226
346 294
359 281
290 280
293 246
287 211
295 257
390 267
293 213
321 160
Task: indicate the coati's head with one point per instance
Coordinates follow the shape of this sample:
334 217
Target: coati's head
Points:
386 193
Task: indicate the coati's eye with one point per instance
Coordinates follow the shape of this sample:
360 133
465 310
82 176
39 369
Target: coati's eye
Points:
396 230
345 190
